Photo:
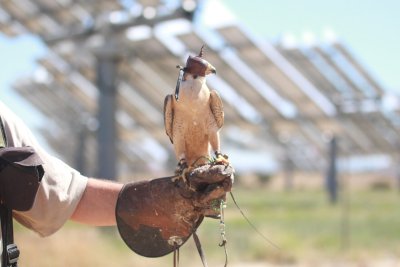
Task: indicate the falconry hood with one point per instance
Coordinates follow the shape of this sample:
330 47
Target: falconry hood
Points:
196 66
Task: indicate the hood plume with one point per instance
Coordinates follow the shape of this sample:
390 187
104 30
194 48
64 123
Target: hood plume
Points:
201 52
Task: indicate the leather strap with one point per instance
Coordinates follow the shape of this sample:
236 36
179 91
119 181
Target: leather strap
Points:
176 257
200 249
10 251
222 229
178 82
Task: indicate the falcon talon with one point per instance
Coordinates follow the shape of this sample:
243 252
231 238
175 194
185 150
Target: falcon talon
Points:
182 175
221 159
182 165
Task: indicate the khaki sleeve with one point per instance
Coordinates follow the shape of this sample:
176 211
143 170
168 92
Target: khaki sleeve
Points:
61 188
59 193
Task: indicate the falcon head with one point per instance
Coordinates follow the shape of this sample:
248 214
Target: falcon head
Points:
195 66
198 66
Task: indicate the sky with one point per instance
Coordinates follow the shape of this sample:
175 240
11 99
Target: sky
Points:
18 56
369 28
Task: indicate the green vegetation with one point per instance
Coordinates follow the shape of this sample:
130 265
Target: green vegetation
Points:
305 225
302 223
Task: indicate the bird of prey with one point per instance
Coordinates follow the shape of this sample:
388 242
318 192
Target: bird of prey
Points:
194 116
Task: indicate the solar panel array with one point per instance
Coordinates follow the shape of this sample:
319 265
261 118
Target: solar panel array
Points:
282 104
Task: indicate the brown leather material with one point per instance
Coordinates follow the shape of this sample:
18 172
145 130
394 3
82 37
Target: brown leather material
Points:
196 66
156 217
20 174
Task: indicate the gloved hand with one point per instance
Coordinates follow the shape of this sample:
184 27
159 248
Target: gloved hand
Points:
206 186
156 217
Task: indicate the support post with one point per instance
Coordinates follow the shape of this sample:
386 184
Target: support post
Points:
106 71
331 176
80 158
288 172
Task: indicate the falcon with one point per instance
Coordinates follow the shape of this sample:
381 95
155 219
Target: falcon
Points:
194 116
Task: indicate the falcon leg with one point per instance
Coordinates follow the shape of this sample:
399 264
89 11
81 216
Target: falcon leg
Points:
179 147
219 157
181 170
182 165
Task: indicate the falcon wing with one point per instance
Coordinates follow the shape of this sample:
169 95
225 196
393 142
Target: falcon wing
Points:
217 108
168 116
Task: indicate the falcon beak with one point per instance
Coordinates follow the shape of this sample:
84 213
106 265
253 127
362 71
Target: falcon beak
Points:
211 69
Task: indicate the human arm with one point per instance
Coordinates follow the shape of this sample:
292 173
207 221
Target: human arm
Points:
97 205
64 193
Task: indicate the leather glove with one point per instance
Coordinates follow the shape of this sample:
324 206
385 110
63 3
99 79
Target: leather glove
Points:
156 217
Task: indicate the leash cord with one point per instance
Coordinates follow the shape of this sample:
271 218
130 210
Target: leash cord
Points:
176 257
252 225
222 229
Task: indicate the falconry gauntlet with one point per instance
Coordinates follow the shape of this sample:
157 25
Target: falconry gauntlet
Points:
156 217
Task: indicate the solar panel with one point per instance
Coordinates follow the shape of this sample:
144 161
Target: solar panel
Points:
288 99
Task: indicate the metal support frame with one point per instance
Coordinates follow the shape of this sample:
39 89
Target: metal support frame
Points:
331 176
108 56
106 71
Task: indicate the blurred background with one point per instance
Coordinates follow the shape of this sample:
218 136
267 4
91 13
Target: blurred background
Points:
311 97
